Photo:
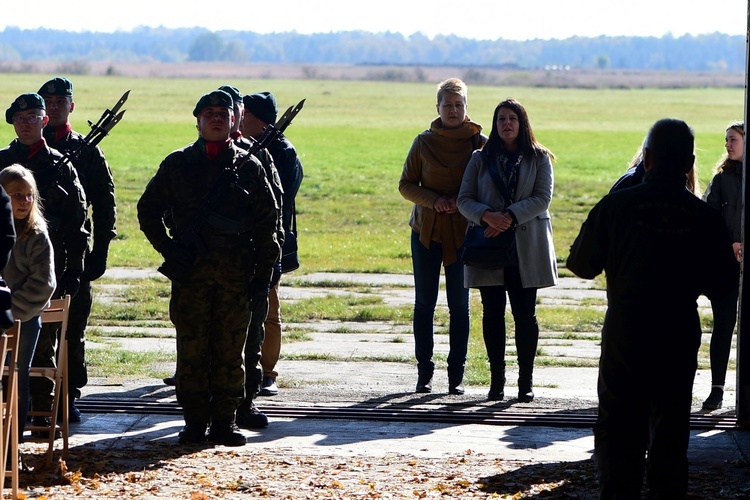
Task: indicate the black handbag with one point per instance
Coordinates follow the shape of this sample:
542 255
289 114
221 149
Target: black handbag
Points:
489 253
289 255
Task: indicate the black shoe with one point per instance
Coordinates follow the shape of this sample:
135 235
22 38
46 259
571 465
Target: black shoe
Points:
495 394
171 380
43 434
268 387
714 400
456 389
525 396
74 414
226 433
192 433
424 384
22 467
250 417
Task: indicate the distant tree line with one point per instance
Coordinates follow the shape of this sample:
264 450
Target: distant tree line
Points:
709 52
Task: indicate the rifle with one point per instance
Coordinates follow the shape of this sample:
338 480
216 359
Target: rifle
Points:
189 235
99 130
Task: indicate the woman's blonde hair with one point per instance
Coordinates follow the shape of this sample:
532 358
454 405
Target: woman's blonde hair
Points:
35 221
453 86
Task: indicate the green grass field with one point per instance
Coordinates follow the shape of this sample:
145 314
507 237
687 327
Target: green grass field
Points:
353 136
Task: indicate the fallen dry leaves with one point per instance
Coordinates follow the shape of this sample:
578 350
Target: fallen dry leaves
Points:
169 471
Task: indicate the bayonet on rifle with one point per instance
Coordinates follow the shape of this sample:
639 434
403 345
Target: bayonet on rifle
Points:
99 130
189 236
272 132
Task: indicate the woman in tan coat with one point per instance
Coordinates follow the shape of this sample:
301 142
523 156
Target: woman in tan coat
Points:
431 179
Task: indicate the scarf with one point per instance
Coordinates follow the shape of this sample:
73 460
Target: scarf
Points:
32 150
212 149
451 148
507 164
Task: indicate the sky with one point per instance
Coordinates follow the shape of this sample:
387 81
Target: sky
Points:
480 19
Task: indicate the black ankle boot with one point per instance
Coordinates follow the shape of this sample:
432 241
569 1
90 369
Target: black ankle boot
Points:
497 386
525 391
715 399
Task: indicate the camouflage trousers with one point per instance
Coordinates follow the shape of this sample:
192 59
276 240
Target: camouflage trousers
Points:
211 321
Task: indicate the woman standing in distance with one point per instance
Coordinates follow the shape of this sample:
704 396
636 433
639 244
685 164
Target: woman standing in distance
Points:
431 178
525 172
30 272
724 193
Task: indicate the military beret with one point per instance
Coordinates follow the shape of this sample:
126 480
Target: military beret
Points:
22 103
214 98
57 86
262 105
232 91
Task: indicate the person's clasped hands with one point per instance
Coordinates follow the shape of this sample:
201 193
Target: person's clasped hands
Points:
445 205
497 222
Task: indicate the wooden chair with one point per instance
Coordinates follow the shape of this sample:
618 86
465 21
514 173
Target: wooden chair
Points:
57 312
9 438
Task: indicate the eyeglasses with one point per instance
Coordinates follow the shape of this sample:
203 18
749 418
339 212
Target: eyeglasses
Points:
22 197
32 119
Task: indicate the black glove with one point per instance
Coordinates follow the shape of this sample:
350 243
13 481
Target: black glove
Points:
276 276
69 284
96 263
177 253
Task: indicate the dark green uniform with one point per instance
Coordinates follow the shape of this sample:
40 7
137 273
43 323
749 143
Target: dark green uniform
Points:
210 311
96 179
256 331
64 205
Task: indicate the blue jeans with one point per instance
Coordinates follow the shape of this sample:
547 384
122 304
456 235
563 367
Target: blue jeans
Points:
26 344
427 263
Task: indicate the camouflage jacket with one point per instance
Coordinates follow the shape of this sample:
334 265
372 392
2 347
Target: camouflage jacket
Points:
63 202
237 231
96 178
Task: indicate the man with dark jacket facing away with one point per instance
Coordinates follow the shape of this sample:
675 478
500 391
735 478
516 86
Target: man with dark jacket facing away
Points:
660 247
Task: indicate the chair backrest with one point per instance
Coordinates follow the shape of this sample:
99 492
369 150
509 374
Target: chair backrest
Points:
56 312
9 419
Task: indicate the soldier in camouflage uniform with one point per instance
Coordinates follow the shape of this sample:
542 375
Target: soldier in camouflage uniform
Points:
64 208
260 111
220 261
96 178
248 415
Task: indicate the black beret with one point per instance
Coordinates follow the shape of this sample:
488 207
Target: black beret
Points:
22 103
262 105
232 91
57 86
214 98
